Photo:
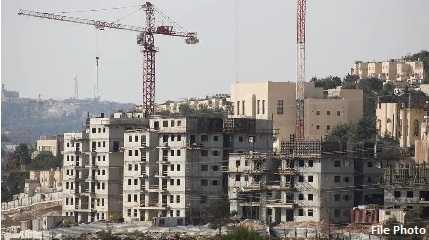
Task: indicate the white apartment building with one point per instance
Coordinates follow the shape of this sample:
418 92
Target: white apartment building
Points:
392 70
93 168
300 185
217 102
174 170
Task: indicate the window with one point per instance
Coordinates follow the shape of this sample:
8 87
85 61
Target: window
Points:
136 138
215 182
337 212
204 167
337 197
94 130
280 107
215 153
300 196
263 106
204 182
99 130
301 163
178 182
172 167
242 105
300 212
238 107
346 197
178 199
317 127
338 113
136 167
165 138
369 164
178 167
136 182
136 152
203 199
104 130
240 138
130 138
317 113
179 123
310 212
177 213
171 199
204 138
328 127
129 181
172 123
346 179
102 185
130 167
328 113
337 179
179 138
215 168
204 153
129 197
310 178
130 152
164 123
172 153
337 164
237 177
103 172
300 178
310 163
135 197
310 197
410 194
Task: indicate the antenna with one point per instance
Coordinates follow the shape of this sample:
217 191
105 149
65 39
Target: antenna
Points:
97 86
76 88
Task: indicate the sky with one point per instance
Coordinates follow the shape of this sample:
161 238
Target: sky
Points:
240 40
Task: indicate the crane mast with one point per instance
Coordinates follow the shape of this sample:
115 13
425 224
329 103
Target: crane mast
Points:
145 39
300 67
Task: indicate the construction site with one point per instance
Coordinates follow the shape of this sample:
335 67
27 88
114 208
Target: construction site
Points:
270 167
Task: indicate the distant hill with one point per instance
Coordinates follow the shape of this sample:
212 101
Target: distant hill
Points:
25 119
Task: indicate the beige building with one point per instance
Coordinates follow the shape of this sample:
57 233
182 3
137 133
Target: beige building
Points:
392 70
276 101
52 144
397 120
422 145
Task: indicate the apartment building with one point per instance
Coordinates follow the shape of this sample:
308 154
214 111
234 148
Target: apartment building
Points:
44 181
401 117
220 102
304 183
323 110
421 153
174 170
93 167
393 70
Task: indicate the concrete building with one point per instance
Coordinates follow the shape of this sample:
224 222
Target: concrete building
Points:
400 118
44 181
304 183
276 101
421 149
174 170
93 167
407 187
219 102
52 144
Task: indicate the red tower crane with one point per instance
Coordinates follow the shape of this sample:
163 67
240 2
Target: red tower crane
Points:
300 67
145 38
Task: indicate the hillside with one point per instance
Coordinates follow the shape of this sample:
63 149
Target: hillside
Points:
24 119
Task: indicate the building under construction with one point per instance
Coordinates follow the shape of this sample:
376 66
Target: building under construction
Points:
309 181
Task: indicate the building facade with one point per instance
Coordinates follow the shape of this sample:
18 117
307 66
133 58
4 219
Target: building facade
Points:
218 102
174 170
93 168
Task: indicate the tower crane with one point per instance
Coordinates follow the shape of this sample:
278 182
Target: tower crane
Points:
145 39
300 66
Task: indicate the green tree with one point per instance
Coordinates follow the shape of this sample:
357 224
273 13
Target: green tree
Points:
14 184
219 212
327 82
243 234
45 161
22 153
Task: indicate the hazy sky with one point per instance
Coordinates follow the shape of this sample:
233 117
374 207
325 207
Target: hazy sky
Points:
42 56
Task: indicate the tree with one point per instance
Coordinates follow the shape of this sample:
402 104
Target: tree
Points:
45 161
219 212
14 184
341 133
22 153
362 131
327 82
424 57
243 234
388 89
